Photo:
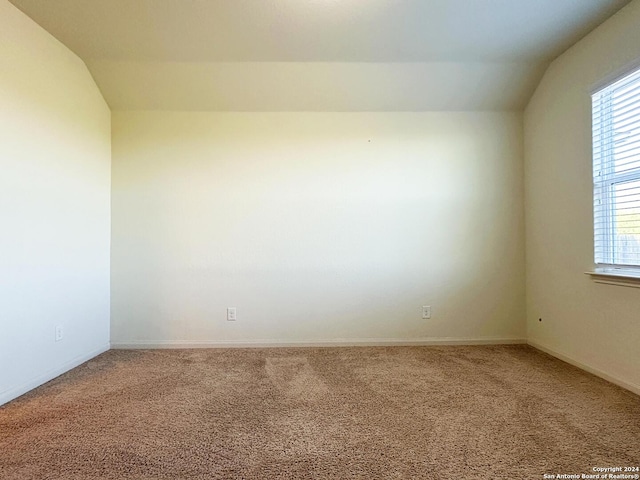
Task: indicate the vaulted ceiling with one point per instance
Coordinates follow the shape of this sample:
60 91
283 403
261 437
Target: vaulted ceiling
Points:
318 55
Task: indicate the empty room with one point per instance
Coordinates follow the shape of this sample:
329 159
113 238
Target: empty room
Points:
309 239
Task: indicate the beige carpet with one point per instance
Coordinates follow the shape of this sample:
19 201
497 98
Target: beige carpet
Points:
503 412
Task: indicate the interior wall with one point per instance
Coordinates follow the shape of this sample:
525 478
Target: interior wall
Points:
594 325
55 159
317 227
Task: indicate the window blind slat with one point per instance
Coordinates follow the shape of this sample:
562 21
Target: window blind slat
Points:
619 84
623 106
615 99
626 116
619 98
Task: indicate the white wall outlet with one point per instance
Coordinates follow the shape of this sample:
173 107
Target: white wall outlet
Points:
231 314
426 311
59 333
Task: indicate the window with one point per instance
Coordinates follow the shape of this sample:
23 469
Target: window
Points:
616 173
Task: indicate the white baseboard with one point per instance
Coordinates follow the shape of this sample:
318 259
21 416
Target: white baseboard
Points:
583 366
338 342
15 392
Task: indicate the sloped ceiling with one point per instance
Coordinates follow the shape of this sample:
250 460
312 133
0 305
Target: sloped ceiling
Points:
318 55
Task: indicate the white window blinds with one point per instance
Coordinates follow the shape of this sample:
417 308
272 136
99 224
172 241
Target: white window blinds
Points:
616 172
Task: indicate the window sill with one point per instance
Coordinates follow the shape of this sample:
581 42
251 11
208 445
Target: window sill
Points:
616 276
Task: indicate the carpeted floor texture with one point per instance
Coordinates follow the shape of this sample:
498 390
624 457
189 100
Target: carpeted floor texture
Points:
482 412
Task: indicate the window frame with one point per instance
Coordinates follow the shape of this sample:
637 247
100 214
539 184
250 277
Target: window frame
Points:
605 180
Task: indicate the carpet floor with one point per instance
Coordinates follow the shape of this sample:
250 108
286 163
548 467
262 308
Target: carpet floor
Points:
481 412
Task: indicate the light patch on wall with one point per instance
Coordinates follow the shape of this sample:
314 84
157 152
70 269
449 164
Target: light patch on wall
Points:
318 226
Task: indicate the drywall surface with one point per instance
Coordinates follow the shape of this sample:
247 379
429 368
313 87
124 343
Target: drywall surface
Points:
316 86
54 207
595 325
317 227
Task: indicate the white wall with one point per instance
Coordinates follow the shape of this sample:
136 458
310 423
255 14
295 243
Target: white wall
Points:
594 325
54 207
316 86
317 226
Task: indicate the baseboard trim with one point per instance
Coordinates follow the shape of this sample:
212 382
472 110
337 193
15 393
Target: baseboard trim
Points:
364 342
15 392
587 368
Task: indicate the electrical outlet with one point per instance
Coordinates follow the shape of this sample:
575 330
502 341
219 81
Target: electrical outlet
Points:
426 311
59 333
231 314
